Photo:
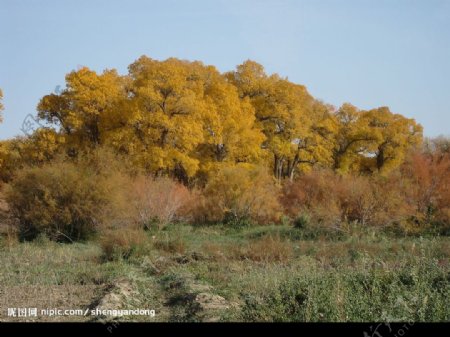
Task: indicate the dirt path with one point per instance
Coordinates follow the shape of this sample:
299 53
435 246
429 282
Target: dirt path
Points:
180 299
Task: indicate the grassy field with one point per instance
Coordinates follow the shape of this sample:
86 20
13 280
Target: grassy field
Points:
271 273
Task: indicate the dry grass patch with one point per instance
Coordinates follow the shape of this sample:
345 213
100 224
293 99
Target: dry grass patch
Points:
171 244
267 249
121 243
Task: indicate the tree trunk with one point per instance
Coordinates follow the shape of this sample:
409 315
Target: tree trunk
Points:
163 139
180 174
291 166
278 167
380 159
220 152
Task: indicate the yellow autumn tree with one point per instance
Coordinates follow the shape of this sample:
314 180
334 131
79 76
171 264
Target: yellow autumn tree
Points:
41 146
394 135
368 141
84 111
350 136
170 117
38 148
185 117
286 113
169 110
230 131
10 157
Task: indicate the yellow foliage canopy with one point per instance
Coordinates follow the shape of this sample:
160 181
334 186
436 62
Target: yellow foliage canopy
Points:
186 119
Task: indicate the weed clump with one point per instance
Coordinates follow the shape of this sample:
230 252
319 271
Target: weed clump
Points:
121 243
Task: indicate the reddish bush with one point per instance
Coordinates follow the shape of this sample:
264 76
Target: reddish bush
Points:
158 201
331 200
426 181
313 194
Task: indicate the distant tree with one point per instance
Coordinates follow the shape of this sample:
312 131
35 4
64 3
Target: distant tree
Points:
439 146
352 135
394 136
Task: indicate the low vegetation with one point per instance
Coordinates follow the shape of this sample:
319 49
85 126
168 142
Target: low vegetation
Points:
262 273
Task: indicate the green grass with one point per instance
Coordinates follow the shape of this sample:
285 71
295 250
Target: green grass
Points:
358 275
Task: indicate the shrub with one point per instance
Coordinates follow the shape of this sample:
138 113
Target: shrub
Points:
331 200
65 201
158 201
426 186
239 194
373 201
313 193
8 230
121 243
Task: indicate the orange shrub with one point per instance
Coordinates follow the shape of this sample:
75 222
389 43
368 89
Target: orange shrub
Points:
313 194
391 206
330 200
238 194
158 201
374 200
426 181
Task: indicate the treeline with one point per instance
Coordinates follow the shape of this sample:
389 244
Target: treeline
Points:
186 120
177 141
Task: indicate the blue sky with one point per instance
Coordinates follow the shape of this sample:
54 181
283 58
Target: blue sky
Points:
392 53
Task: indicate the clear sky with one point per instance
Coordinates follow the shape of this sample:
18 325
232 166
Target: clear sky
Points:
374 53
